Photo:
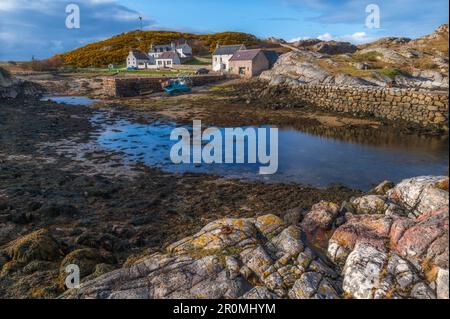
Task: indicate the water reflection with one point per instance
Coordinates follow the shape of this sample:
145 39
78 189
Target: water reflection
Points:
71 100
354 157
357 157
383 137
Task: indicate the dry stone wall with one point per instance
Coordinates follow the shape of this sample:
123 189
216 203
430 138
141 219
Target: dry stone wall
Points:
134 86
425 108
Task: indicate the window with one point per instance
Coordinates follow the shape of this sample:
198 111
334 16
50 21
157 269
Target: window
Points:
242 70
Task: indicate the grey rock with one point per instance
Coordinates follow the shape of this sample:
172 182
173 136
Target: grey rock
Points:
442 282
228 258
335 47
260 292
293 216
362 66
313 285
370 204
382 188
421 194
363 271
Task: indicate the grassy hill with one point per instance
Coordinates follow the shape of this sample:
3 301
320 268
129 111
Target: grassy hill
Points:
114 50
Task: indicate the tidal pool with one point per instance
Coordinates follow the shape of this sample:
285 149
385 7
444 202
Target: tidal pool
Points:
71 100
355 158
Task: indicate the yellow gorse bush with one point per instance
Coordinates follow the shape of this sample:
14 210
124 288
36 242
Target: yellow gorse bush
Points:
114 50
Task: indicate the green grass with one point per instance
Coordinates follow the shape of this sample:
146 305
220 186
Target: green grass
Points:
219 89
195 61
391 73
371 56
134 72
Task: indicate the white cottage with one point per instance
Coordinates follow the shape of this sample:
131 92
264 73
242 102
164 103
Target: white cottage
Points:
167 60
222 56
184 50
138 59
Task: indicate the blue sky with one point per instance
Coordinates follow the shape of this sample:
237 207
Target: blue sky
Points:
37 27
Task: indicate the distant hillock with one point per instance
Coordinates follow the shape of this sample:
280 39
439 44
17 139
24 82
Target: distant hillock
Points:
115 49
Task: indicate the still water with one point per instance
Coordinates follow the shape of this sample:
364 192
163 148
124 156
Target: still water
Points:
71 100
357 157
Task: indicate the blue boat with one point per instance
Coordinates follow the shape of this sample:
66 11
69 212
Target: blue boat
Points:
177 86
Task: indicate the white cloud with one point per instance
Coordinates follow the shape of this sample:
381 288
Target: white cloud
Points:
299 39
7 5
355 38
12 5
37 27
326 37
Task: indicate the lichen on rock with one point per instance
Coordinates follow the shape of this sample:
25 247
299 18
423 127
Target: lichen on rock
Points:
229 258
377 252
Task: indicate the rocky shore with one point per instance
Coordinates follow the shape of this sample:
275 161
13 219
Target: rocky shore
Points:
391 244
12 87
388 62
138 232
63 200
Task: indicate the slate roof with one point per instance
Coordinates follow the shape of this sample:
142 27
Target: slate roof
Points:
140 55
245 55
184 45
228 49
162 46
167 55
168 47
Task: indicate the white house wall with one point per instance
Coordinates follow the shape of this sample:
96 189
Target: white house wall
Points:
219 60
131 61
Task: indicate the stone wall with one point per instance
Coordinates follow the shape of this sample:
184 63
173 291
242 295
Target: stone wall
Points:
134 86
426 108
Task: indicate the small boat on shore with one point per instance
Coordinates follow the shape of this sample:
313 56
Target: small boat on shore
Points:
177 86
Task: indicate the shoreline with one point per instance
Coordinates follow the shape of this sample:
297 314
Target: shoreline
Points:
121 213
255 94
86 205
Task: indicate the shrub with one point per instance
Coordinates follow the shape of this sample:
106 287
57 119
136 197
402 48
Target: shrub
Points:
50 64
114 50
